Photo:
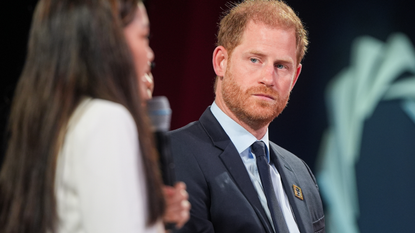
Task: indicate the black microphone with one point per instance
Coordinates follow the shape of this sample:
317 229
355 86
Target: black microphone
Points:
160 114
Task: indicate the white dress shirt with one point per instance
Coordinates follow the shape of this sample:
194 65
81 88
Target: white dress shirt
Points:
100 183
243 140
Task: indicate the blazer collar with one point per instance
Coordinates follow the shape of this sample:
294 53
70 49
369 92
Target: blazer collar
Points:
214 130
289 179
233 162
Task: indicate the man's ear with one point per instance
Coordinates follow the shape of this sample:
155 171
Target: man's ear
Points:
296 75
220 58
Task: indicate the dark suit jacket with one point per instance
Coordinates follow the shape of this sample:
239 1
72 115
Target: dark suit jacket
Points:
221 193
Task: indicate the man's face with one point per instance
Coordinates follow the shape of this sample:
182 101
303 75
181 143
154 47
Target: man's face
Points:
260 74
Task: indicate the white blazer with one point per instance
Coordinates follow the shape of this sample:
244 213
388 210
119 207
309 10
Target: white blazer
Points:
100 184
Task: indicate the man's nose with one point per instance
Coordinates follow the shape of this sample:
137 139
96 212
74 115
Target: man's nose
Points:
268 75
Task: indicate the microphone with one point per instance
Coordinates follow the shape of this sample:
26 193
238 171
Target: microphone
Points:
160 115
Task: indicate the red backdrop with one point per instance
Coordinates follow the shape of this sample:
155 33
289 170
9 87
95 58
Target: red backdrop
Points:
183 39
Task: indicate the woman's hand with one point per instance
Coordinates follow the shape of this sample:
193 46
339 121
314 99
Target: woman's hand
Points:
177 204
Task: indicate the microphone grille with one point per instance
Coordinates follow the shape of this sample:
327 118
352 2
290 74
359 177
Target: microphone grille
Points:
159 111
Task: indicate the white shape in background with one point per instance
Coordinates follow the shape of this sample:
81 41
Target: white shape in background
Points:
351 98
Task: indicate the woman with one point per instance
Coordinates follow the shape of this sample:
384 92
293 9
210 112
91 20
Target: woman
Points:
80 156
136 30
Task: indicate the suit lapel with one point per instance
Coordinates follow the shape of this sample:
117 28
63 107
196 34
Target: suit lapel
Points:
233 162
238 171
289 179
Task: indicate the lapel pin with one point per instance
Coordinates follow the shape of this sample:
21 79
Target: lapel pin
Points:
297 192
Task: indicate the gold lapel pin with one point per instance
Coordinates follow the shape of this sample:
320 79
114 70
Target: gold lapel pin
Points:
297 192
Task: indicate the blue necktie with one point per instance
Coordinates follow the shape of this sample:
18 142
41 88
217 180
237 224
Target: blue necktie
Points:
258 148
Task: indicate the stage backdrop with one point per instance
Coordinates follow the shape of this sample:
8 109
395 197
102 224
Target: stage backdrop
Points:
183 39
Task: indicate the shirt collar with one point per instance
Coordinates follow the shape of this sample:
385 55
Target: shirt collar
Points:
240 137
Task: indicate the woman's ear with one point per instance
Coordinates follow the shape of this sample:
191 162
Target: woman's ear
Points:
220 58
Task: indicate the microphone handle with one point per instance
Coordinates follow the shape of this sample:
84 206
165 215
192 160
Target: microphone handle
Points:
166 164
166 167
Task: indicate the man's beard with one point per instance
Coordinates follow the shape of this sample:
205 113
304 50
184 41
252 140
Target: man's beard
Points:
253 111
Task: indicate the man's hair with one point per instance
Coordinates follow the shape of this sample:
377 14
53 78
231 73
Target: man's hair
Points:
273 13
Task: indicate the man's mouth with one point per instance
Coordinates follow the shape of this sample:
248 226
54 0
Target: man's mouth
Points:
265 96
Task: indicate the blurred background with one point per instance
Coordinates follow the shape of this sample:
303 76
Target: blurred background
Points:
183 39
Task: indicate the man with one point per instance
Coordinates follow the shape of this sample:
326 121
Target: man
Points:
237 180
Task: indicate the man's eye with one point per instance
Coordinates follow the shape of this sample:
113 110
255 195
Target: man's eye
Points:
279 66
254 60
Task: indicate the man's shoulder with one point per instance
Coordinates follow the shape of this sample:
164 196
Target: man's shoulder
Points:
187 130
191 135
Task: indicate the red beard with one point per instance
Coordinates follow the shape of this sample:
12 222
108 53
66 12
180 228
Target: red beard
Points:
249 109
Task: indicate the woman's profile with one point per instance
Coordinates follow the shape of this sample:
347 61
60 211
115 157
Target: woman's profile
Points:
80 157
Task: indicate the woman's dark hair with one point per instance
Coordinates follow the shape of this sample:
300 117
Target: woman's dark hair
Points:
76 49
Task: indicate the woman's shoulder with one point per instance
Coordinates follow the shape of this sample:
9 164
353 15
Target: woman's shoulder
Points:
101 107
95 111
101 118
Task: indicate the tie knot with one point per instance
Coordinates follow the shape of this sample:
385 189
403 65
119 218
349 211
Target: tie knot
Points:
258 148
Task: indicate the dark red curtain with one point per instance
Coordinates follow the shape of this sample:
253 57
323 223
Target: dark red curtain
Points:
183 40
